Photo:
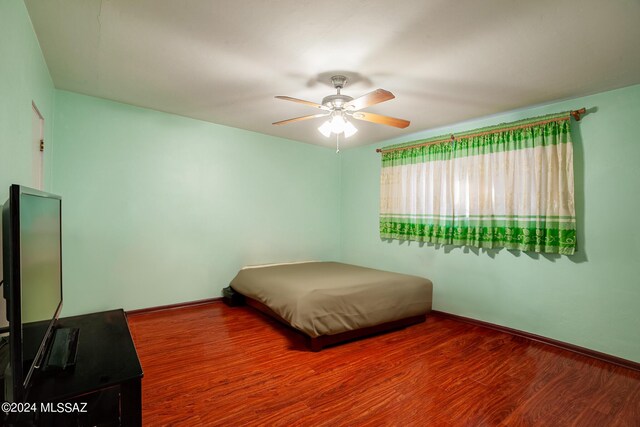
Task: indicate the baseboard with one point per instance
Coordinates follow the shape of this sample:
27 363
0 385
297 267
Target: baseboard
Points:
172 306
549 341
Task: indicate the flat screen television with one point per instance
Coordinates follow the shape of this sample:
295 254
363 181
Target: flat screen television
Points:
32 263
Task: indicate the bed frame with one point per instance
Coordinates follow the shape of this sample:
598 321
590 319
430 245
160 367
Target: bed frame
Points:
318 343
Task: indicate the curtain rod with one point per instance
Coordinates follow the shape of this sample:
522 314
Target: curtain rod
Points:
574 113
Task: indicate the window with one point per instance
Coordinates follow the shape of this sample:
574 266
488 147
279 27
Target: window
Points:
506 186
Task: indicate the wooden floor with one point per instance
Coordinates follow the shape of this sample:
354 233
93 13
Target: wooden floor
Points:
214 365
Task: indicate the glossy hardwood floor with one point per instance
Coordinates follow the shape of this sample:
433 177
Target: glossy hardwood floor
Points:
214 365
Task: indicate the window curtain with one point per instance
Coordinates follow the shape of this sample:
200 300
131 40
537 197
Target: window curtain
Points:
506 186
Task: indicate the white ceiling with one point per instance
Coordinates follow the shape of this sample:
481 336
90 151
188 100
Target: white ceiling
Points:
446 61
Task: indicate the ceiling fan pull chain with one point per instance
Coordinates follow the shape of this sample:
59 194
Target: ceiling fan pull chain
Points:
337 143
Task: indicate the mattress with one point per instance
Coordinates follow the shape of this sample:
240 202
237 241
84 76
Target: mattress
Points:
327 298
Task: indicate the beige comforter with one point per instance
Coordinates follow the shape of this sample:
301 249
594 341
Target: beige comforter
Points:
326 298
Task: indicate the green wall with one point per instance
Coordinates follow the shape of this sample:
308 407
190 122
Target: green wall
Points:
24 78
589 299
160 209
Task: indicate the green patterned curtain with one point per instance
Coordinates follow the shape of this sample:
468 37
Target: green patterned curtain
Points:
504 186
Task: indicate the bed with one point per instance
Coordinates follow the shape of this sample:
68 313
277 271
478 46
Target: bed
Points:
331 302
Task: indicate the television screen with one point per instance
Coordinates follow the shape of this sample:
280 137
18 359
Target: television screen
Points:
40 269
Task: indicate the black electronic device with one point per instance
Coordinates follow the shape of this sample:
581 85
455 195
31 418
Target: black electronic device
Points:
231 297
62 355
32 264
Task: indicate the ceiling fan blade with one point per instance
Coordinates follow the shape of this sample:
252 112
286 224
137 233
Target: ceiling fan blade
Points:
299 119
372 98
302 101
383 120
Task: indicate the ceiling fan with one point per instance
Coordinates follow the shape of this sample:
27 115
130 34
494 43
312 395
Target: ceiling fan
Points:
340 107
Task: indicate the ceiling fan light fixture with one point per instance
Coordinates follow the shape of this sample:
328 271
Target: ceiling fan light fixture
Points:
349 130
338 124
325 129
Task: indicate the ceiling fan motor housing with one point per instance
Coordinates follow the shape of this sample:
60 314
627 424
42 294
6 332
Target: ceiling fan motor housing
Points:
336 101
